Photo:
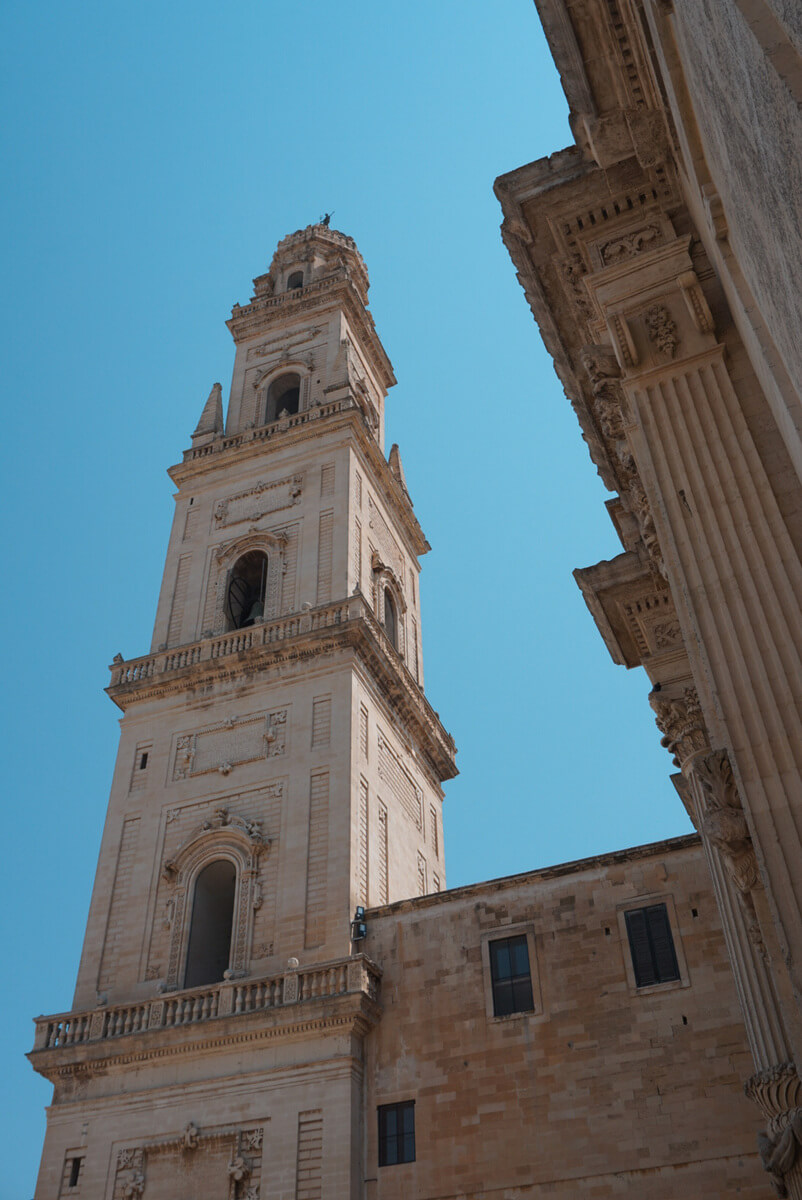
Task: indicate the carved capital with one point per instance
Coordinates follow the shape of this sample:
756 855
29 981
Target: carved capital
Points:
778 1093
680 720
724 822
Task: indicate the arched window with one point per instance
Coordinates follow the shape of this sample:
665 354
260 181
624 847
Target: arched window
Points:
296 280
390 618
209 949
247 586
283 396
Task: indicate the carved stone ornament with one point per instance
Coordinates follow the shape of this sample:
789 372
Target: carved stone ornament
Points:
239 1169
778 1153
134 1186
629 244
724 822
637 502
191 1135
604 373
680 721
573 271
661 329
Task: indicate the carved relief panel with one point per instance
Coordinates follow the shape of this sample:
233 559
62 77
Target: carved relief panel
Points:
227 744
220 1161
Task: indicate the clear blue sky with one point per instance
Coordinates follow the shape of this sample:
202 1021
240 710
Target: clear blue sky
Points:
154 154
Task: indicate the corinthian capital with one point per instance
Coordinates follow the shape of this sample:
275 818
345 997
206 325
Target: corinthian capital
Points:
679 718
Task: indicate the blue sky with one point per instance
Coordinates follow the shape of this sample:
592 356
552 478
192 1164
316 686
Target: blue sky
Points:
154 156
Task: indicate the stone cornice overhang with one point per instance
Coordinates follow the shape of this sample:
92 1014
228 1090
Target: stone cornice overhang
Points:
614 858
353 1014
548 177
255 443
602 585
539 201
256 318
358 632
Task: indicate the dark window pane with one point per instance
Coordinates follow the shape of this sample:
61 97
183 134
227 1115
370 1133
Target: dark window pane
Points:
396 1133
510 976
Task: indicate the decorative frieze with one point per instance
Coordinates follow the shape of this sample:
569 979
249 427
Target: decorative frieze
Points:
230 743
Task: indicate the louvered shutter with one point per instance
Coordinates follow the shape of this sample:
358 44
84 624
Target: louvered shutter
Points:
638 931
665 959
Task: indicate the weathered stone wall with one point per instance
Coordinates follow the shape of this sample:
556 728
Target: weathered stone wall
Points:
604 1090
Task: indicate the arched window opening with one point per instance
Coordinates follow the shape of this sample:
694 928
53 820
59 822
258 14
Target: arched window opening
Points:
283 397
390 618
209 949
295 280
247 587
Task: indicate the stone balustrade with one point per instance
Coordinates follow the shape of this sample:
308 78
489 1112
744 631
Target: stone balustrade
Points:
230 998
157 668
265 432
239 640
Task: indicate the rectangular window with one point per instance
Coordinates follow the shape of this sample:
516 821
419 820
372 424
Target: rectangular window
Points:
396 1133
654 959
510 976
75 1171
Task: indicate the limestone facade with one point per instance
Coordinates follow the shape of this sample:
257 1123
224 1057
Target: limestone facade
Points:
654 255
274 981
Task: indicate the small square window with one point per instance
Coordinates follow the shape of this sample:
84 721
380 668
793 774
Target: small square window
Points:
654 958
396 1133
511 977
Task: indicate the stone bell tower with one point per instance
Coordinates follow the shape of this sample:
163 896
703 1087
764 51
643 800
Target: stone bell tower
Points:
278 767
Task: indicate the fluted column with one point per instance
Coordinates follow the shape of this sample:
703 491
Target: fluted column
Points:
733 570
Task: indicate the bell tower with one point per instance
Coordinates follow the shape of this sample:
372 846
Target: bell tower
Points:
279 766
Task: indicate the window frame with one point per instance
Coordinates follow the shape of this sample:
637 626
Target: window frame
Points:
498 934
381 1110
647 901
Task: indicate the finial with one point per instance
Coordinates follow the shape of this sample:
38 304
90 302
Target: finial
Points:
211 420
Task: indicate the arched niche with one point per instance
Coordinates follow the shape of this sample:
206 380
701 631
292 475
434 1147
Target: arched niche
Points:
211 924
223 838
222 571
389 603
282 390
